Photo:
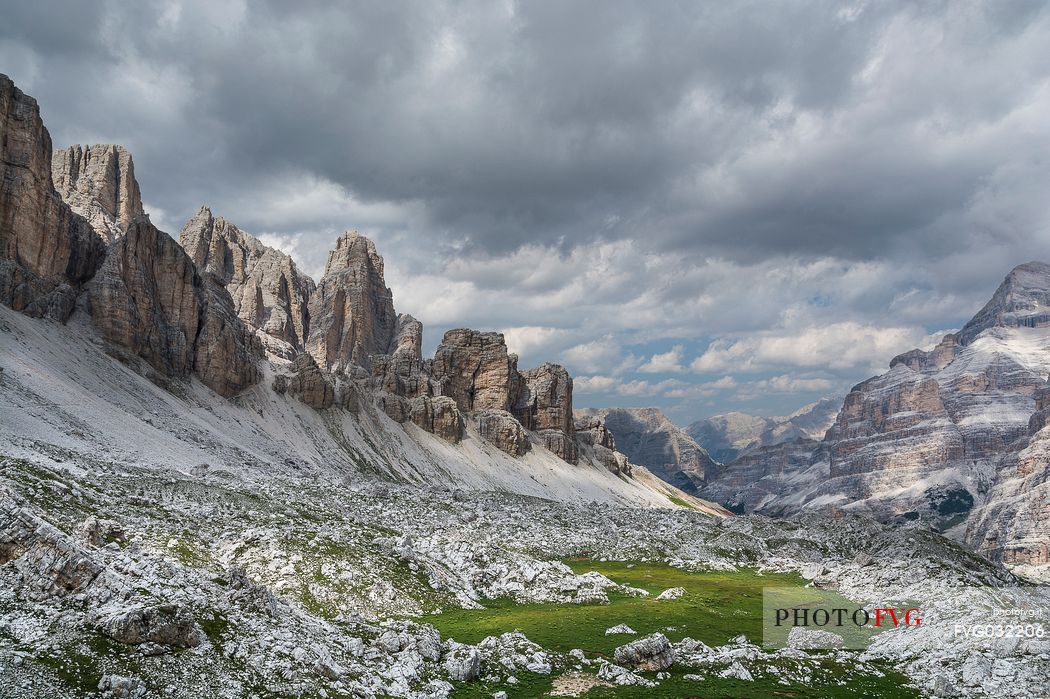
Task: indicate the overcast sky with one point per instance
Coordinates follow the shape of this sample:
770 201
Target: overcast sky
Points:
698 206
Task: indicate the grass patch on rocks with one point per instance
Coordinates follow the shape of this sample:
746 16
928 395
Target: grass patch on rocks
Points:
717 607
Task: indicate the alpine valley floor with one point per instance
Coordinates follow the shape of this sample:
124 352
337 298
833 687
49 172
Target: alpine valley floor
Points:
282 589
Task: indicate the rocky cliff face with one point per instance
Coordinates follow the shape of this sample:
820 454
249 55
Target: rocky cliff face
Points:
46 250
954 436
592 434
98 182
475 369
649 438
269 293
149 297
352 311
544 404
210 306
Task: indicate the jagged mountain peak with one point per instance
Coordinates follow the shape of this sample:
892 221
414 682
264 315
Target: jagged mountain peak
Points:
353 249
269 293
1023 299
98 182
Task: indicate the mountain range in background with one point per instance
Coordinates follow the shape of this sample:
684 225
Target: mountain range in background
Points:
955 437
216 354
727 436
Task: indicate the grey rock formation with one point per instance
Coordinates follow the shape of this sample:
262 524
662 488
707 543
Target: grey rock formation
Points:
502 429
46 250
1013 519
439 415
763 477
544 405
167 624
352 311
149 298
953 437
99 532
47 561
269 293
649 438
98 182
307 383
1021 301
648 654
594 436
475 369
225 351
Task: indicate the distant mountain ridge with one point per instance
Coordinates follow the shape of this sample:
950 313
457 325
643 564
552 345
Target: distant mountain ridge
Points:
648 437
733 434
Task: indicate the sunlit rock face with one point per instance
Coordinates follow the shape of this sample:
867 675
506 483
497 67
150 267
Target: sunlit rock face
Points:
352 311
269 292
954 436
98 182
47 251
149 298
648 437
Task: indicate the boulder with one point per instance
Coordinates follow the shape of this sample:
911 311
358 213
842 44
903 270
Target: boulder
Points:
462 662
46 560
167 624
651 653
813 639
99 532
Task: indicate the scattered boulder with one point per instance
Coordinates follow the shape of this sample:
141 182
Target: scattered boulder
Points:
99 532
167 624
47 561
622 676
119 687
811 639
671 593
462 662
651 653
620 629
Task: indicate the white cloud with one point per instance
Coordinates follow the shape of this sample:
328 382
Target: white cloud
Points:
533 342
666 362
840 346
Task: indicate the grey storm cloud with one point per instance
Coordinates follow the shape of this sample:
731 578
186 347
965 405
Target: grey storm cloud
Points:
909 137
546 121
